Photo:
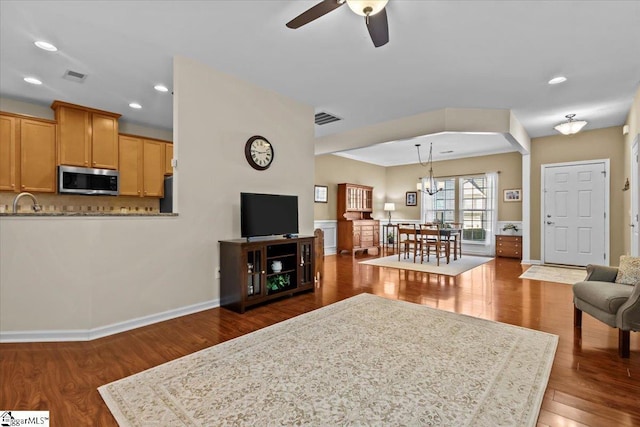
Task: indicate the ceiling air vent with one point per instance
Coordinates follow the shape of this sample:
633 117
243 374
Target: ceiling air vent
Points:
324 118
74 76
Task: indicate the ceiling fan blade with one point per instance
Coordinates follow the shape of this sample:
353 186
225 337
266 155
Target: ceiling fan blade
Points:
378 28
314 13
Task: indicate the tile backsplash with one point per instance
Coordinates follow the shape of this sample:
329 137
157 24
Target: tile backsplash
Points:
71 203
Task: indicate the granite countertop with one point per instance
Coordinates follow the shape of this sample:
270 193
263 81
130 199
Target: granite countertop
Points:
86 214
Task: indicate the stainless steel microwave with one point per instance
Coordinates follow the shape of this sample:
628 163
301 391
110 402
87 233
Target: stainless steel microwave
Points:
99 182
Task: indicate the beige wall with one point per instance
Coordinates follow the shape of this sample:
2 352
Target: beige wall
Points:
587 145
332 170
633 121
401 179
391 184
78 274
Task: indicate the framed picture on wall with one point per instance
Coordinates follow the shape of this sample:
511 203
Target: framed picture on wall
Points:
513 195
411 198
320 193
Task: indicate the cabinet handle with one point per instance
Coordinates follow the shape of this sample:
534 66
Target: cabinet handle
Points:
94 163
22 186
262 272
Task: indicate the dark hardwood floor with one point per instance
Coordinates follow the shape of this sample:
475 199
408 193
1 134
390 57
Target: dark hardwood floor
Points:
589 383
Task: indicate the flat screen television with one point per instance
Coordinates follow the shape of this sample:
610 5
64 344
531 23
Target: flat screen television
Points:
268 214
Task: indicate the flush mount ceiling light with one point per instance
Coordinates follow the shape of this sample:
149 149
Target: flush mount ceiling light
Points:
431 180
45 46
557 80
161 88
32 80
135 105
571 126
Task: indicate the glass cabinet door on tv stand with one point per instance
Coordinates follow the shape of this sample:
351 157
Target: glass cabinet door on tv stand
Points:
255 272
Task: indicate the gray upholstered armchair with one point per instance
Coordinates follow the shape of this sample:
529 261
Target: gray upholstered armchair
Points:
616 304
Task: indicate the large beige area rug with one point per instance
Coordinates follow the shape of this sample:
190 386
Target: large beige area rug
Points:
366 360
547 273
467 262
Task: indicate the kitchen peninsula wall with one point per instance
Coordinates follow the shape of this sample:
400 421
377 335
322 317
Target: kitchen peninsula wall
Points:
66 203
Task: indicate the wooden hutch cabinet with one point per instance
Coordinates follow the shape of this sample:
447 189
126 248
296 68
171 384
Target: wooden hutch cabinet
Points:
357 230
254 272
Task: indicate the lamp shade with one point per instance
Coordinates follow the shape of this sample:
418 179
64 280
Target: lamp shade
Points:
367 7
389 207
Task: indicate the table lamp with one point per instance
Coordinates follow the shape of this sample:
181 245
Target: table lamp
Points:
389 207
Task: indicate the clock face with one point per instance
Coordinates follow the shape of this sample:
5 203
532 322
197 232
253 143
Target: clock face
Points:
259 152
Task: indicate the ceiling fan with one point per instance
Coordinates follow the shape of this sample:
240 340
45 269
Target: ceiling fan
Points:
373 11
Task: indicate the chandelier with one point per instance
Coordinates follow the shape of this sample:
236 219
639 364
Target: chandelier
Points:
431 181
571 126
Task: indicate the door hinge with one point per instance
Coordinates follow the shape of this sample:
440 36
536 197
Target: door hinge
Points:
605 215
605 256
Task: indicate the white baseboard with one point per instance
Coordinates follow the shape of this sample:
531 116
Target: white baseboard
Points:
103 331
531 261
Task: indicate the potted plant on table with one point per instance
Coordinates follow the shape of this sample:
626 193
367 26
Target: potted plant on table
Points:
390 238
510 228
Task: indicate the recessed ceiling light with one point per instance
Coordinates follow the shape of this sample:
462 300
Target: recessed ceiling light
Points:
32 80
45 46
161 88
135 105
558 79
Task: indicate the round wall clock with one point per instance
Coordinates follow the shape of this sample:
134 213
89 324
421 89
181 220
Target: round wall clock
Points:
259 152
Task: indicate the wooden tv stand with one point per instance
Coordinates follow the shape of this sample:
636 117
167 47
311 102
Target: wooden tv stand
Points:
247 275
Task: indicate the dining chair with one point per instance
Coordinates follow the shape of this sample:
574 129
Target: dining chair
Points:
456 239
409 240
433 239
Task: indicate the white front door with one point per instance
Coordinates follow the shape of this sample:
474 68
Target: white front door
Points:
574 213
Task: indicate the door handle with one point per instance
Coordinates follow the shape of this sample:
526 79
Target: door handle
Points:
632 225
549 222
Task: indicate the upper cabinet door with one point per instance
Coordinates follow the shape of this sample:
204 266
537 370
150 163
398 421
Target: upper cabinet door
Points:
104 140
74 136
37 156
8 152
154 153
130 166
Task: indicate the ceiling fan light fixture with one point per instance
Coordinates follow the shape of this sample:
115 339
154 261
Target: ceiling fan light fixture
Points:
571 126
367 7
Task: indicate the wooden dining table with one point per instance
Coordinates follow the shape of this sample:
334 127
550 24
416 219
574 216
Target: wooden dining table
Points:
453 235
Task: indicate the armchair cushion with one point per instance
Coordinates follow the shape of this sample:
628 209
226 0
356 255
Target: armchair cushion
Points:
605 296
629 270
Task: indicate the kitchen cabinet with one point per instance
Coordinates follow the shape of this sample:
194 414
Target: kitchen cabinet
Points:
86 137
509 246
153 168
8 152
254 272
168 156
357 230
27 154
142 166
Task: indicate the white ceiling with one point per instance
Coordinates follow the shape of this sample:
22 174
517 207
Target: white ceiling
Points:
459 54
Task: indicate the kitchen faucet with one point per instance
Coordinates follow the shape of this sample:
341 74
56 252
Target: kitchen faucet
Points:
36 207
